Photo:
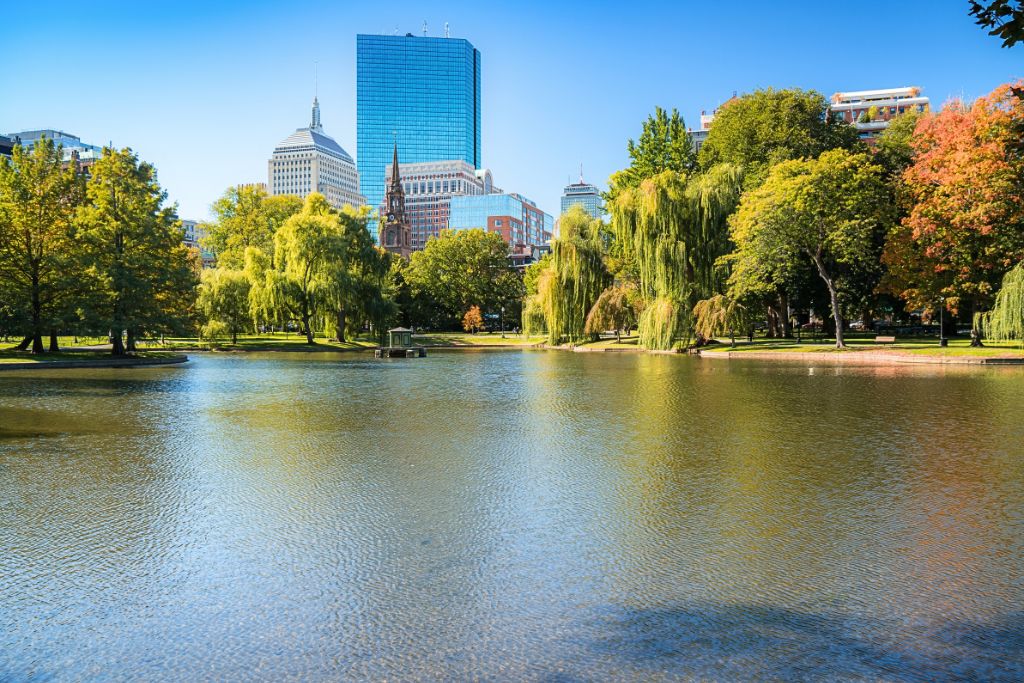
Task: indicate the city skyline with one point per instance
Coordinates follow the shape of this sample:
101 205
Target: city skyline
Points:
208 112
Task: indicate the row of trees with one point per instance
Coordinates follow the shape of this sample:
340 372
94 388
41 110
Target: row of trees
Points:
784 209
89 253
282 261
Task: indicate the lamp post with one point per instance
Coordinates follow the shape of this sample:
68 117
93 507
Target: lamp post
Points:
502 322
942 331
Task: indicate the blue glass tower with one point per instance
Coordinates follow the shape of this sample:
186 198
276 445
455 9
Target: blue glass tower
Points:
424 94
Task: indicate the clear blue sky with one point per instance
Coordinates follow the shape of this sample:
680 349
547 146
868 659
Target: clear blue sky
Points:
204 90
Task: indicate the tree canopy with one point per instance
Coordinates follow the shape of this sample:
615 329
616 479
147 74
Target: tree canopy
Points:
825 210
760 129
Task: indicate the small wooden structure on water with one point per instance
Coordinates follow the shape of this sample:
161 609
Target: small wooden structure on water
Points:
400 345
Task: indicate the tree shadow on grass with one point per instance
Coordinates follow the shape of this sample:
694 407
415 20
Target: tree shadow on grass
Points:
752 642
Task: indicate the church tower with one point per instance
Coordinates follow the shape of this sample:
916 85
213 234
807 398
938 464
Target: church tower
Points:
395 235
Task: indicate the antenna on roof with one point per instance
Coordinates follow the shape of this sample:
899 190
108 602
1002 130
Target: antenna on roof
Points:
424 28
396 30
581 173
447 33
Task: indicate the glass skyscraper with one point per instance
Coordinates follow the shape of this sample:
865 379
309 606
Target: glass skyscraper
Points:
424 94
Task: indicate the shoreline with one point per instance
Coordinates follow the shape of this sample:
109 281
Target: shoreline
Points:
862 357
99 363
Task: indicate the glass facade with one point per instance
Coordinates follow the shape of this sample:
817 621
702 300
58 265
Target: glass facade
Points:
423 93
515 217
584 194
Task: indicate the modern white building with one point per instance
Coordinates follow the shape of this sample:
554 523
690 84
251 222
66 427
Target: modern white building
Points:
870 111
429 187
308 161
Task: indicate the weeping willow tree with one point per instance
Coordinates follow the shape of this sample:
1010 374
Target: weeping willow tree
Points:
721 314
1005 322
673 226
614 310
571 282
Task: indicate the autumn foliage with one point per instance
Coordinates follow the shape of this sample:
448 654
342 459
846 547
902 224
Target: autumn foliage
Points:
473 320
965 229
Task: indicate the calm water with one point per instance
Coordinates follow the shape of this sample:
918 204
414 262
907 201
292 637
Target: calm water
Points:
511 516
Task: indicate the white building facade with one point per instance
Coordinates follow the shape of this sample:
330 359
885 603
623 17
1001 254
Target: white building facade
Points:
870 111
308 161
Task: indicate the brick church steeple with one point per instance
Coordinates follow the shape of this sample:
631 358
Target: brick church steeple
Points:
395 235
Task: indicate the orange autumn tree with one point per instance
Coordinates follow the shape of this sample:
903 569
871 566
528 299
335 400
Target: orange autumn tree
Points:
966 227
472 321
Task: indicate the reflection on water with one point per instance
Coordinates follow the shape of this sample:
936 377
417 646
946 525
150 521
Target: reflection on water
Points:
506 515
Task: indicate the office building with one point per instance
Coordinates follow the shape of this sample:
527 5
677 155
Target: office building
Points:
429 187
584 194
871 110
308 161
420 93
71 145
516 218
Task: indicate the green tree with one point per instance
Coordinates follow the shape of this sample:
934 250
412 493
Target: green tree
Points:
1005 321
354 274
673 227
247 217
134 249
615 309
721 314
463 268
224 300
824 209
306 247
664 145
760 129
571 283
39 258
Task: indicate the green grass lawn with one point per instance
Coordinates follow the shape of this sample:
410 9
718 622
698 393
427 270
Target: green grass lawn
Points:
277 341
480 339
9 355
928 346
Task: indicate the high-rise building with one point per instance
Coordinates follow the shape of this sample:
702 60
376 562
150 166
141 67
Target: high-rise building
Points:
429 187
870 111
584 194
420 93
308 161
516 218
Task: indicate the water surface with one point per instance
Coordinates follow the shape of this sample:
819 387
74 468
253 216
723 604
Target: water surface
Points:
495 515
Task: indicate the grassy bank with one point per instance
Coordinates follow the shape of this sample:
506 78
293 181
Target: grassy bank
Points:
916 346
8 355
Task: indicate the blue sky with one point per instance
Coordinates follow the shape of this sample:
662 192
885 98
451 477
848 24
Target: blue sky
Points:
205 90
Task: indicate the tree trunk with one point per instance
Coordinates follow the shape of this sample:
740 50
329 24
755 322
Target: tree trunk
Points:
117 347
787 331
54 343
130 348
833 296
23 346
339 331
234 336
37 317
975 332
770 319
867 318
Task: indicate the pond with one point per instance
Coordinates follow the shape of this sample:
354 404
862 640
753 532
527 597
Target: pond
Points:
539 516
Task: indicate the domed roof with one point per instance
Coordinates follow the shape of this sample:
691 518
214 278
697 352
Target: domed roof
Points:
309 137
313 137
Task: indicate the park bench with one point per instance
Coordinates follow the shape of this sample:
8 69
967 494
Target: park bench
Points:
879 339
